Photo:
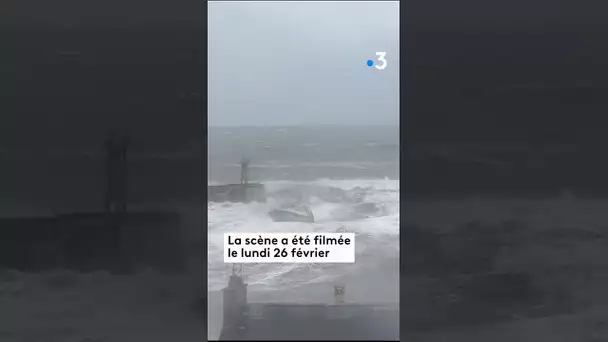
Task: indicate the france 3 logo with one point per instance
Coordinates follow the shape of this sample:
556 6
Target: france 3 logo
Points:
381 59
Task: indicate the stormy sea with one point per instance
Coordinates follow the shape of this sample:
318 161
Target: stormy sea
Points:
347 176
503 242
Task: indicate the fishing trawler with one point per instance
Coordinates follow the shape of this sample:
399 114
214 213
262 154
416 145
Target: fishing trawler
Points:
300 213
244 320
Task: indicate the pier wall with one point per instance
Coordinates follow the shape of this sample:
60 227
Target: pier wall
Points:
252 192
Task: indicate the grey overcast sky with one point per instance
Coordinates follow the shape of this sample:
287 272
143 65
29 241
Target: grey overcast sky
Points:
302 63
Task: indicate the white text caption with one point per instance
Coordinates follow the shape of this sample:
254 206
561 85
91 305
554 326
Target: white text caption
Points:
289 247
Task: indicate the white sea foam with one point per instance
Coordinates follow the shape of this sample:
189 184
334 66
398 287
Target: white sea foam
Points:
377 237
65 306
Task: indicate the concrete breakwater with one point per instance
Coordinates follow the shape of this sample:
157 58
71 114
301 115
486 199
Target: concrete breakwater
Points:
250 192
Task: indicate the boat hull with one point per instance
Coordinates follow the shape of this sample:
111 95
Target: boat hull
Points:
279 215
